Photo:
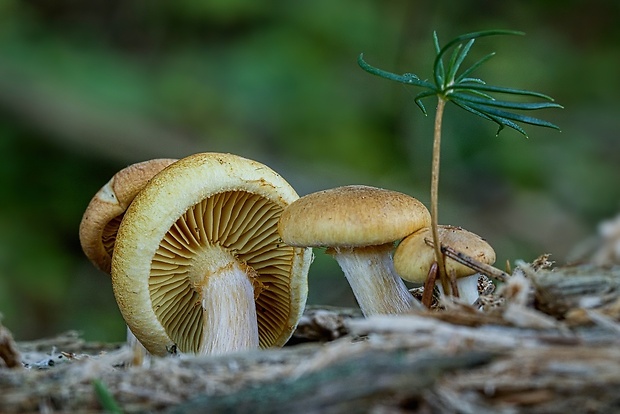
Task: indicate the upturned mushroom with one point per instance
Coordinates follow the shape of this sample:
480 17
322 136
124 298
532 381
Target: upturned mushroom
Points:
198 266
105 211
414 257
359 225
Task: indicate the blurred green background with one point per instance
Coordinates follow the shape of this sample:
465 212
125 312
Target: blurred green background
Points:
87 88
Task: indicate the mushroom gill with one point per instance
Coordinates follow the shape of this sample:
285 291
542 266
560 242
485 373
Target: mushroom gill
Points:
235 224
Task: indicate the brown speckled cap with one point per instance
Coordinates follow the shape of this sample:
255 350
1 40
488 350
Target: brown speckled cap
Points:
352 216
413 257
105 211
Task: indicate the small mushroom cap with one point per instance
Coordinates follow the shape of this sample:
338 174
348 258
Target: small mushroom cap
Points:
351 216
207 203
105 211
413 257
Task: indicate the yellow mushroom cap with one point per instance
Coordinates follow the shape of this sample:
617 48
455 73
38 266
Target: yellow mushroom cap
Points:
207 203
105 211
352 216
413 256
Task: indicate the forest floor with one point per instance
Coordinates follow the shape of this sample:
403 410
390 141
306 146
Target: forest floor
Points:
546 341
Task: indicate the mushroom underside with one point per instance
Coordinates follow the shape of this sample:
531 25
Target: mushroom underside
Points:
237 226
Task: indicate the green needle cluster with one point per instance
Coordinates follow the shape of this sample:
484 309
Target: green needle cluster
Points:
469 93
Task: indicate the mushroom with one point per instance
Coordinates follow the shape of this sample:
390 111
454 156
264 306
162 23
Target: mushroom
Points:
103 216
414 257
198 265
359 225
105 211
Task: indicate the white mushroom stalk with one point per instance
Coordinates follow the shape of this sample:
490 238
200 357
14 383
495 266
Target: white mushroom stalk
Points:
375 285
227 298
468 288
229 293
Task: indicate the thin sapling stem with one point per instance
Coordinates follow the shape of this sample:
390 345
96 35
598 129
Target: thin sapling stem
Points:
441 267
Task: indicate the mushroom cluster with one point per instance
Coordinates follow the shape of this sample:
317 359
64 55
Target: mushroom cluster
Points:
197 264
210 254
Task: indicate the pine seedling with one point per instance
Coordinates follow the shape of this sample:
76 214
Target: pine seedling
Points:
451 84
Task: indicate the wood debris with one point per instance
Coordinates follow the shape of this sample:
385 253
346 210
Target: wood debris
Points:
550 343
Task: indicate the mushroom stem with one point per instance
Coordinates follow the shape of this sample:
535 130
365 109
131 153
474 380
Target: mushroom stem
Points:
375 284
230 320
140 356
468 288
